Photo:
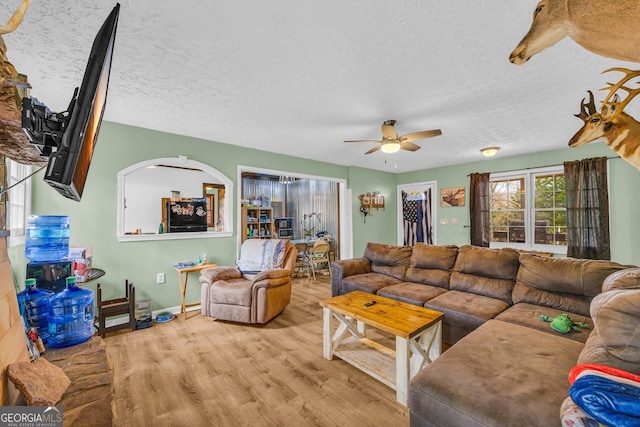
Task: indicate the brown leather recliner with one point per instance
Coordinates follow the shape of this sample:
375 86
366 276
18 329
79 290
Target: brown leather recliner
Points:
228 293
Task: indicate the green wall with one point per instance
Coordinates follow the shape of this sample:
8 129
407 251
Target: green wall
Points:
93 220
379 227
623 178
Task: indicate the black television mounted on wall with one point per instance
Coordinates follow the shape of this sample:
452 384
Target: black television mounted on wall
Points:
68 138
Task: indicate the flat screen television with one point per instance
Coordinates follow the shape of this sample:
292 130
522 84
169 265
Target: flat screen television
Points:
187 216
69 138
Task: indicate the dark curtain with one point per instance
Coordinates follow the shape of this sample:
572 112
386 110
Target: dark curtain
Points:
587 203
479 209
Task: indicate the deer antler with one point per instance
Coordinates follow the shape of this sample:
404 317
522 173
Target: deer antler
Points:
615 107
16 19
588 109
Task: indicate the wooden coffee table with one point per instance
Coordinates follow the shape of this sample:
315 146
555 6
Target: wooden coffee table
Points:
418 333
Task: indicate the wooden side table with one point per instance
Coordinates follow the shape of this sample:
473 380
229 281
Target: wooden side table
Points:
183 278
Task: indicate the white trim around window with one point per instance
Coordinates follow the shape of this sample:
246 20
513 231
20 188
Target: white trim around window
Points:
529 185
18 201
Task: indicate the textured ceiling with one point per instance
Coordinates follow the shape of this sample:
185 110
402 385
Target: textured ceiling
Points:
299 76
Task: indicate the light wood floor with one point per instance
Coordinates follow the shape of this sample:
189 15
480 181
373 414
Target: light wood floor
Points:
203 372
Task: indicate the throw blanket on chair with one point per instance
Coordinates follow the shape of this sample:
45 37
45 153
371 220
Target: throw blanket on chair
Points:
261 254
608 398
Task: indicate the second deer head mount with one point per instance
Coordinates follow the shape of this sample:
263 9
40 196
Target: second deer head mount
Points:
617 129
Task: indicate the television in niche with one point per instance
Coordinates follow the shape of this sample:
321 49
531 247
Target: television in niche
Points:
68 138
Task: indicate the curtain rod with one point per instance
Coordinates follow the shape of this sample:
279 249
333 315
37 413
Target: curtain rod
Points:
538 167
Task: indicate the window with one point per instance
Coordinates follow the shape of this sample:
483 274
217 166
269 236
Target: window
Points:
528 210
18 200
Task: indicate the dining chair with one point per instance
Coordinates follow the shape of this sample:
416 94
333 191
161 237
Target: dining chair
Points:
319 255
302 262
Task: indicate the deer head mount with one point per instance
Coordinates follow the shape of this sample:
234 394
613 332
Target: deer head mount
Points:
620 131
8 74
604 27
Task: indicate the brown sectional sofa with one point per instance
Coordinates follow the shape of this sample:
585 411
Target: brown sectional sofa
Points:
505 366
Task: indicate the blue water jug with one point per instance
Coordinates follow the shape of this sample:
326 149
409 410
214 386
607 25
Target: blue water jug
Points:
47 237
71 316
34 306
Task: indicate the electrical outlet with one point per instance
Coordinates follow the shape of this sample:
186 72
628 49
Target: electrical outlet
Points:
454 221
444 221
160 278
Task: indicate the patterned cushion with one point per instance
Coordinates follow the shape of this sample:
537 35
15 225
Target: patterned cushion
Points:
261 254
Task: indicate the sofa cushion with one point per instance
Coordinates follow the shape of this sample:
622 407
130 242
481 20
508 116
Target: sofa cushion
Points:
432 264
368 282
616 317
566 284
391 260
529 315
496 377
484 271
565 302
231 292
466 309
412 293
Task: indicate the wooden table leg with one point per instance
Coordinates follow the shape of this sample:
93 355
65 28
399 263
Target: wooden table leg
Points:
425 348
414 354
183 292
402 369
327 340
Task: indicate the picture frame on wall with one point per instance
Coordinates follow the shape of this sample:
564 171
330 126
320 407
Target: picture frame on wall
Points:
452 196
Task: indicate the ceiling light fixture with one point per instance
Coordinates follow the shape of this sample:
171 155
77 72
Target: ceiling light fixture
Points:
489 152
286 180
390 147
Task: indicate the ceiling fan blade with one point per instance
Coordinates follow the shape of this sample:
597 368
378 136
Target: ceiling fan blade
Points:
389 130
374 149
410 137
409 146
364 140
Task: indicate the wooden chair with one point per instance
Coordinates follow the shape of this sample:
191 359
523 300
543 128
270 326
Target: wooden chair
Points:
332 249
302 263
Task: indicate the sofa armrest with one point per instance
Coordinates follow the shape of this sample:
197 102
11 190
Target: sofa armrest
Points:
345 268
210 275
623 279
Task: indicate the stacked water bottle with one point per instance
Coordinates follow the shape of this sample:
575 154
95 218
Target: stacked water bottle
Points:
61 319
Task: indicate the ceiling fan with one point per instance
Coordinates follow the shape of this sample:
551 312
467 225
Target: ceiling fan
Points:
392 143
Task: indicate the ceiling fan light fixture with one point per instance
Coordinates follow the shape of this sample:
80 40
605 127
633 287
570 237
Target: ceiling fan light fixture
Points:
489 152
390 147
